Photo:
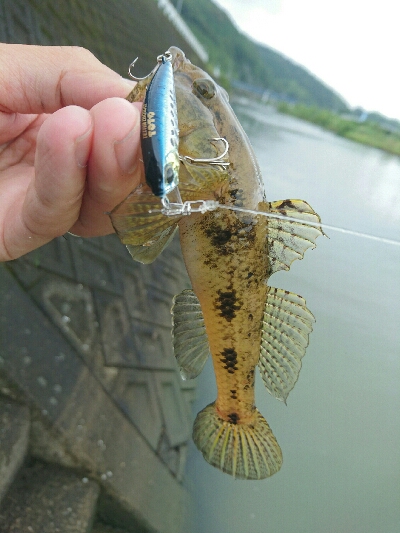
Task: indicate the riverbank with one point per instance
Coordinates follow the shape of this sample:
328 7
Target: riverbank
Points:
366 132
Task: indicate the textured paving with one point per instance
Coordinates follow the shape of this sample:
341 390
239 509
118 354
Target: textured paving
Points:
49 499
14 434
86 363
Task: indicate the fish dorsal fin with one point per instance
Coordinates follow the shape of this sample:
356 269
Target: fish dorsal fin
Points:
189 334
286 326
288 240
138 219
148 253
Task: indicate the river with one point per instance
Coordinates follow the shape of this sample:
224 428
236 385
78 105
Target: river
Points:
340 430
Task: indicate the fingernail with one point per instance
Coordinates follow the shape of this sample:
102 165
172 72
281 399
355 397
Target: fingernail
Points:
126 153
82 147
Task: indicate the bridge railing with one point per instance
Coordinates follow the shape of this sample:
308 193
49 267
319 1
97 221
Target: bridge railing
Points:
169 10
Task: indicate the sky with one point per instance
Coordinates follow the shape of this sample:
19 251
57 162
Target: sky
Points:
351 45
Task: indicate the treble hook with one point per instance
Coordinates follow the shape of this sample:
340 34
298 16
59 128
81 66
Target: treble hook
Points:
167 56
213 161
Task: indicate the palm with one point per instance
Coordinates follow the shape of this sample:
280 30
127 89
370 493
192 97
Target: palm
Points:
17 155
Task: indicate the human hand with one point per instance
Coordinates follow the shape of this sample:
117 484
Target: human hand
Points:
69 145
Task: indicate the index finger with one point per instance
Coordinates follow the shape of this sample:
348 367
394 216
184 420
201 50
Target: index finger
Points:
42 79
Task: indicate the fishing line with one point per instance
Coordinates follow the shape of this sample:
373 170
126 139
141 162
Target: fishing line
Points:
314 224
202 206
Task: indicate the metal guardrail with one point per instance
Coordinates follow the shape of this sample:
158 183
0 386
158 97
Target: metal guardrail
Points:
180 25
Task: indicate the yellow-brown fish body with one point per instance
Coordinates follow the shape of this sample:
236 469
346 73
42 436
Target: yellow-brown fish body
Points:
231 311
226 254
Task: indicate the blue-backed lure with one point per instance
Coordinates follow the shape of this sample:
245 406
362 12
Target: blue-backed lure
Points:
159 130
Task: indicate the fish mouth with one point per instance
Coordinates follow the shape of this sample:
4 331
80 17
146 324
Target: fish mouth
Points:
178 57
181 62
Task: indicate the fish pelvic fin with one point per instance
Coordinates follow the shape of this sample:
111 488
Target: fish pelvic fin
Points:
245 451
288 240
286 326
189 335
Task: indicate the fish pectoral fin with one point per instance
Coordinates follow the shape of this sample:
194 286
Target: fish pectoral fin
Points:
148 252
245 451
286 326
138 221
195 180
189 334
288 240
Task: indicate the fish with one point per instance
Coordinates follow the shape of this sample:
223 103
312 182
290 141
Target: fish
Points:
159 131
231 312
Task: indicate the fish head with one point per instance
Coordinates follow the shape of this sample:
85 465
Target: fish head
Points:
204 113
196 121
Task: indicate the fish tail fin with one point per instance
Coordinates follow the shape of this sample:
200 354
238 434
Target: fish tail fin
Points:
245 451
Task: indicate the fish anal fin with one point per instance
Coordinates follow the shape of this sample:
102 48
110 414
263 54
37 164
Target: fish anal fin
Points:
286 326
288 240
245 451
138 219
189 334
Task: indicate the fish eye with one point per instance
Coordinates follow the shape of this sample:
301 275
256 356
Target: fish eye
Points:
169 175
205 88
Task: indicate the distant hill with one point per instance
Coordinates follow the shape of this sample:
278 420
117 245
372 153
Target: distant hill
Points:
240 58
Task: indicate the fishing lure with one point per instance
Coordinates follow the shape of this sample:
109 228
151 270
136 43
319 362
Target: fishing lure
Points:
159 130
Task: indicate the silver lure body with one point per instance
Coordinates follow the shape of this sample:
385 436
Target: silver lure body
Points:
159 131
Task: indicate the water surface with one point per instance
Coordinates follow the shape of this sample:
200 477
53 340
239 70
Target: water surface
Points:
340 430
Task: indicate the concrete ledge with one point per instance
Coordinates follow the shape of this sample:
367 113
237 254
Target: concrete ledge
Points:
49 499
14 435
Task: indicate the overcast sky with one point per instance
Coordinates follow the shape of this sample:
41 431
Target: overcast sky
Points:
351 45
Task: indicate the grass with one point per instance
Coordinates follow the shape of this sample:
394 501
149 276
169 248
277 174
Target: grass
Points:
367 132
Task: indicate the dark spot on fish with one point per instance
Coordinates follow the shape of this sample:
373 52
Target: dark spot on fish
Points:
286 203
219 237
233 418
238 196
250 376
250 316
228 304
217 115
229 359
